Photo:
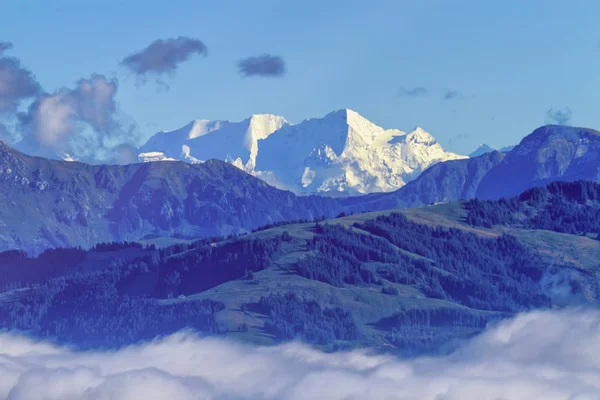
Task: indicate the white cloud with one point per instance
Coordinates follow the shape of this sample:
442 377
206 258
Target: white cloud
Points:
84 122
539 355
54 119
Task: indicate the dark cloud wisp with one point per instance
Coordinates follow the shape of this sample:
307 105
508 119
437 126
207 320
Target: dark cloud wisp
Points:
264 65
5 46
561 116
413 92
450 95
164 56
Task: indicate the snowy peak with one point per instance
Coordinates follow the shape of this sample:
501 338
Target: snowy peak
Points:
260 126
345 152
358 129
224 140
201 127
340 152
350 118
420 136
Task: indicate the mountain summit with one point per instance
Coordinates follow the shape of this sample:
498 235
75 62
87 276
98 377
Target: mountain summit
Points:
551 152
236 142
342 152
480 150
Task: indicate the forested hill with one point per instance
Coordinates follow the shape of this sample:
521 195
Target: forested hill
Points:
407 281
567 207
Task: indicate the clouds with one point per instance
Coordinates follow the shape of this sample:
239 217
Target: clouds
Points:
16 82
421 91
561 116
82 121
264 65
164 56
5 46
413 92
542 354
450 95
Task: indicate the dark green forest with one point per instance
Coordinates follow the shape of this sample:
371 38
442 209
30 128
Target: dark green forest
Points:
488 274
565 207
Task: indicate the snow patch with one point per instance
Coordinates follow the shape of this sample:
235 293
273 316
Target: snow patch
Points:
153 156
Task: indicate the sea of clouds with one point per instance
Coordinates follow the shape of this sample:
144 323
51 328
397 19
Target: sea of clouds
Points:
538 355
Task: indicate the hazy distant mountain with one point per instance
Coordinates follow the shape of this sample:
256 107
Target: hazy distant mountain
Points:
339 153
484 148
550 153
50 203
506 149
480 150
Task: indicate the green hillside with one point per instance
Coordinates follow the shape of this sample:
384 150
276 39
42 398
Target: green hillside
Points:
407 281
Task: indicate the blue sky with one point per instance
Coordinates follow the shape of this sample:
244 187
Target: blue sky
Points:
508 62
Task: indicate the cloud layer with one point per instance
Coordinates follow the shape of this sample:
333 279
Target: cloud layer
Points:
562 116
164 56
539 355
264 65
81 121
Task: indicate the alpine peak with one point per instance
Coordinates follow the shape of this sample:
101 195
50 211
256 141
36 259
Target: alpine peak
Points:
340 152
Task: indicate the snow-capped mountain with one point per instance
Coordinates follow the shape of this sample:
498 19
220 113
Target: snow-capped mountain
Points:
236 142
344 152
340 153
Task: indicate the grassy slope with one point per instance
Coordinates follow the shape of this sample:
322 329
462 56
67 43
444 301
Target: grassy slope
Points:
367 303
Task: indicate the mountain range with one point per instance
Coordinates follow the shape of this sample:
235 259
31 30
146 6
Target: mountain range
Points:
342 152
107 255
550 153
52 203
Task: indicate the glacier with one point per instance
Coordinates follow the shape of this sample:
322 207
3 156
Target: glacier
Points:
341 153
